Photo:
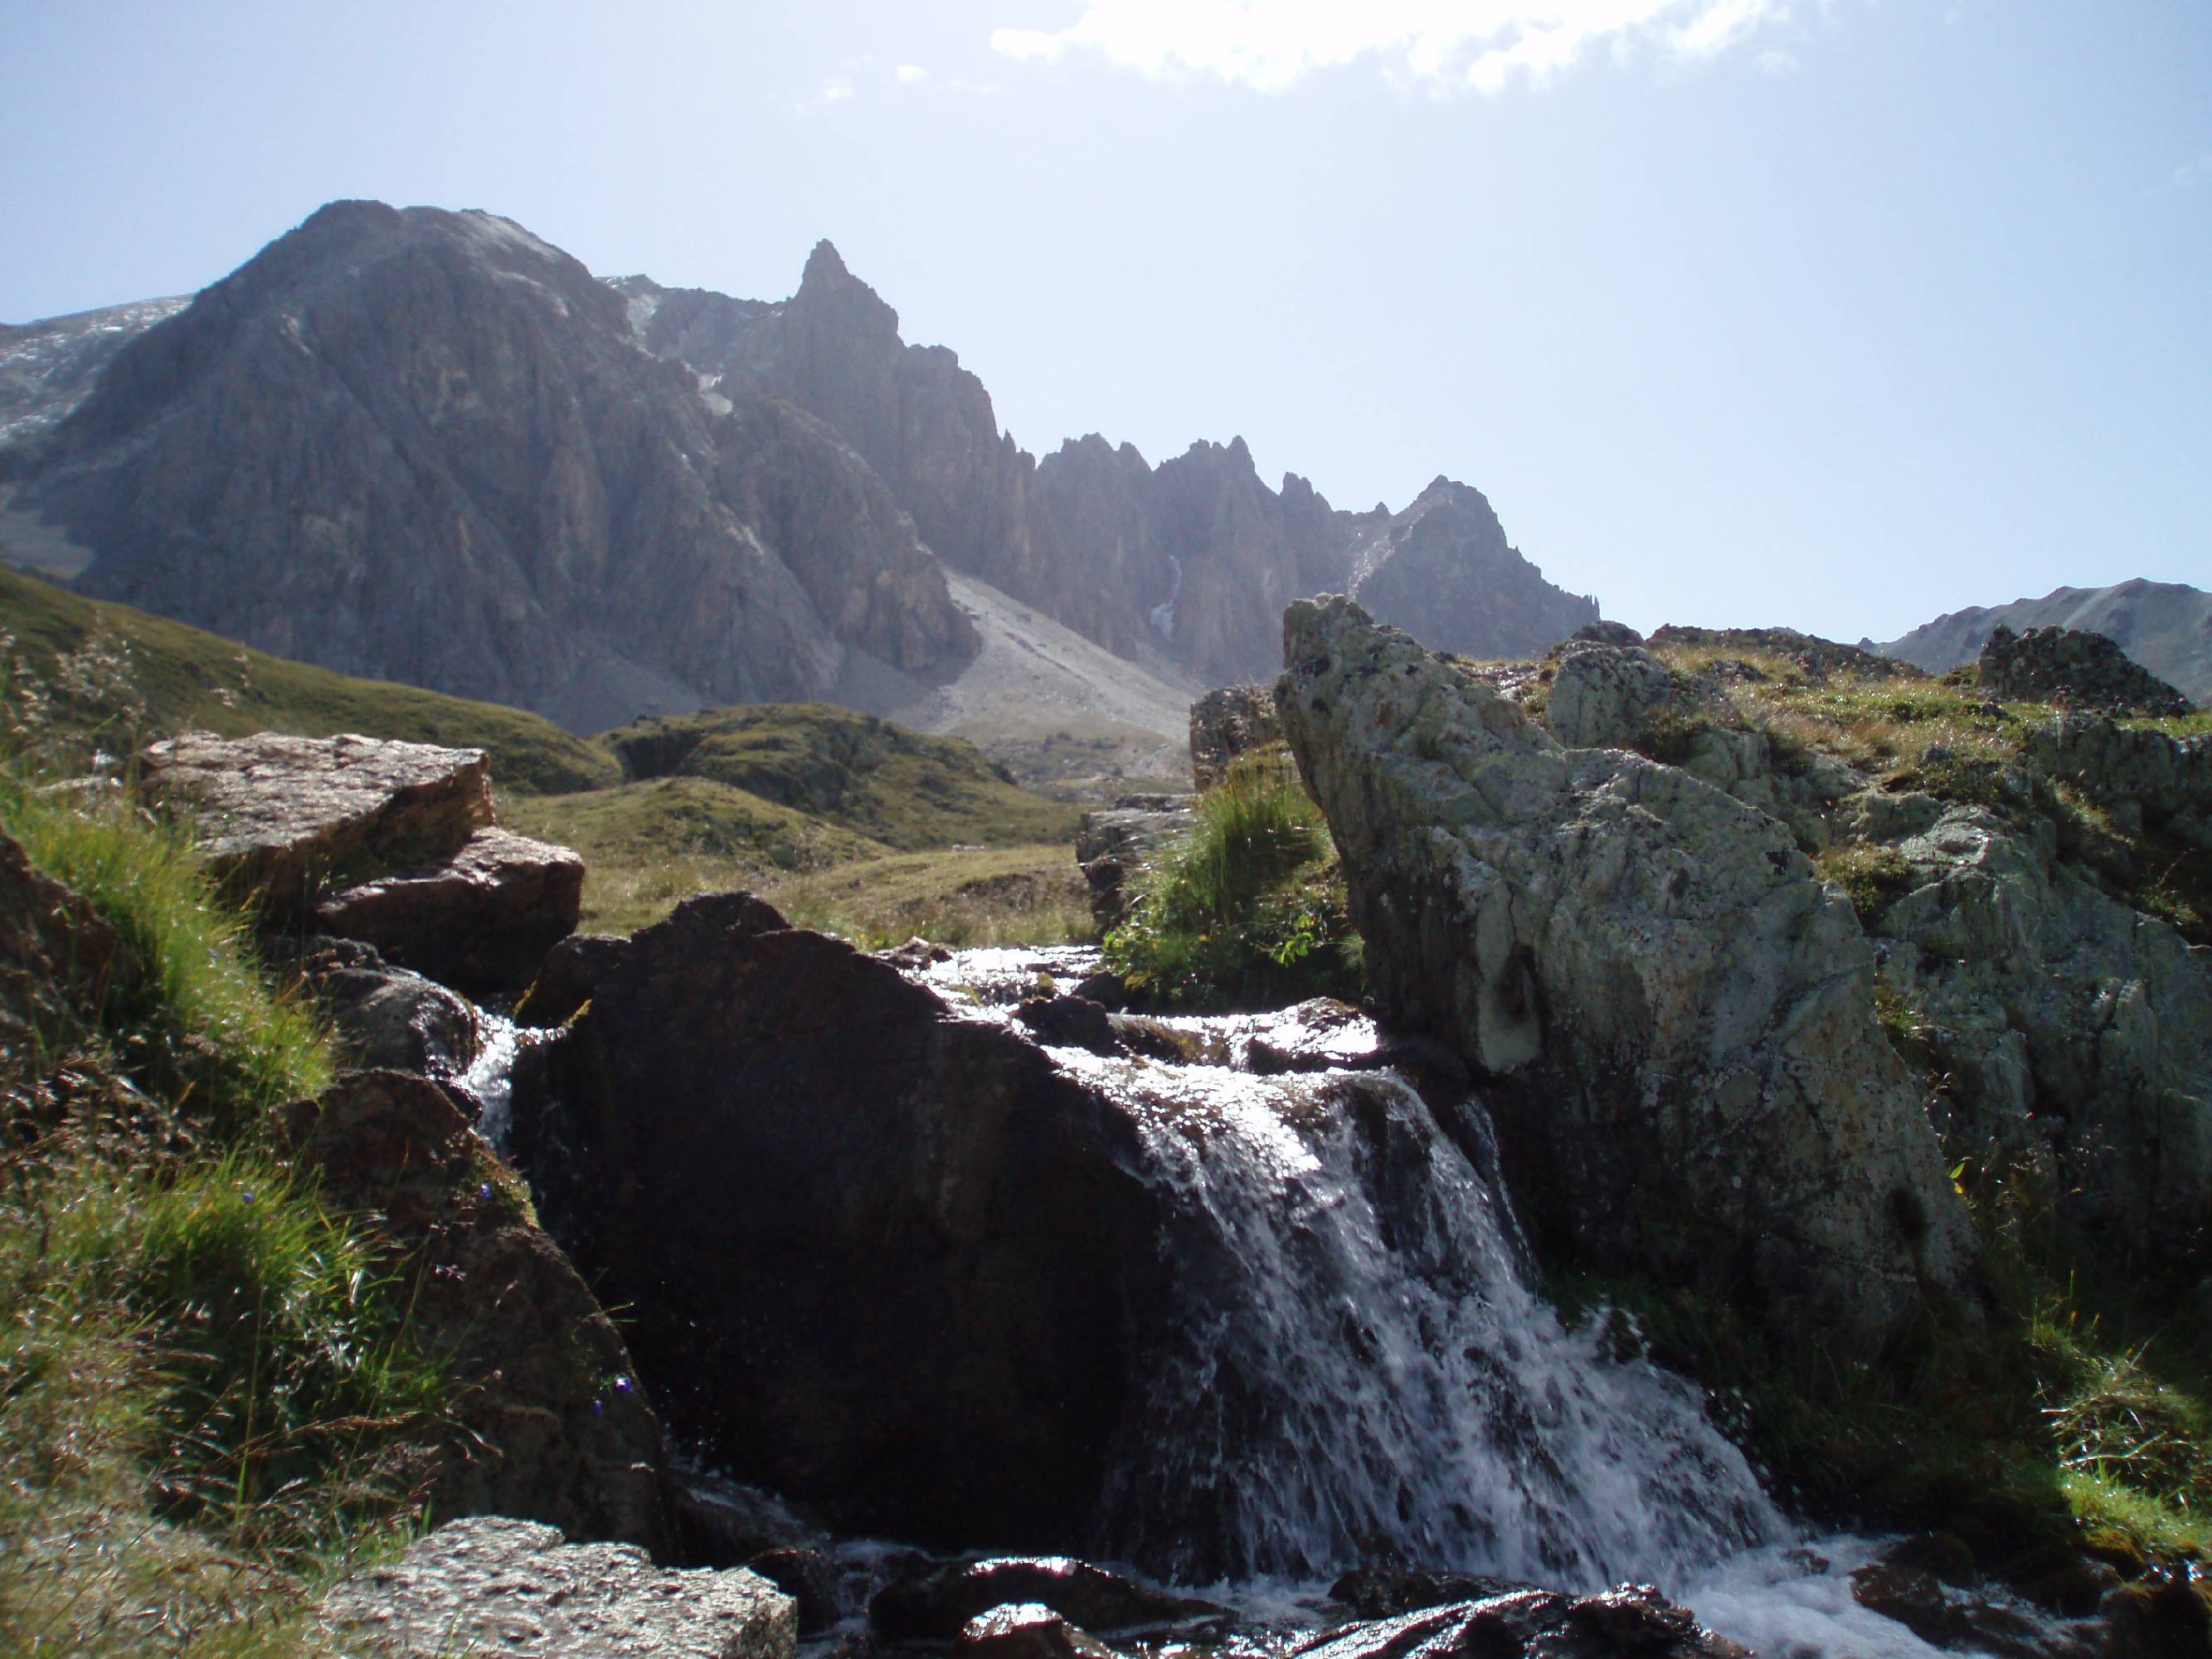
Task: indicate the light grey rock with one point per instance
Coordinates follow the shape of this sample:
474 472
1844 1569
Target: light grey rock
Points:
2147 778
1671 1017
514 1588
2077 1032
1230 721
1604 696
279 814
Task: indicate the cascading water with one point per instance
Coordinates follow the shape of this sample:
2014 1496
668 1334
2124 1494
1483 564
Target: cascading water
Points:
1360 1362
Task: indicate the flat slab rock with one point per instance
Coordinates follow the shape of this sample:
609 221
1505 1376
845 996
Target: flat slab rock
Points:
279 813
514 1588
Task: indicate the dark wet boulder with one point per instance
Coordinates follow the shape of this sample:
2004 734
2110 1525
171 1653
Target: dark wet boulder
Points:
1024 1630
553 1425
1632 1622
877 1257
1376 1591
1069 1022
566 978
809 1578
935 1605
388 1019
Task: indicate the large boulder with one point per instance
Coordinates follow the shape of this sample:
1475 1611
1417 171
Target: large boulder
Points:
876 1256
371 839
494 1585
1605 696
1533 1624
1671 1017
2075 667
553 1425
482 919
386 1018
283 816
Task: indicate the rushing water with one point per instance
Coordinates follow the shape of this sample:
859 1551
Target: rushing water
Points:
1361 1361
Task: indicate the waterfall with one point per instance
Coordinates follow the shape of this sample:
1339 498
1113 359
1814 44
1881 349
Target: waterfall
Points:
1371 1365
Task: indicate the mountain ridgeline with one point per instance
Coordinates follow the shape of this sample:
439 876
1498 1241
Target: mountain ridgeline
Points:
428 447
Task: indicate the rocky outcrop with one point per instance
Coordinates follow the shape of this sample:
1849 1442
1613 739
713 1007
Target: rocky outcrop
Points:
2074 669
423 445
1115 842
1225 723
2076 1033
2165 626
1607 696
553 1425
1816 658
391 843
1671 1017
2147 781
509 1587
935 1605
881 1258
50 367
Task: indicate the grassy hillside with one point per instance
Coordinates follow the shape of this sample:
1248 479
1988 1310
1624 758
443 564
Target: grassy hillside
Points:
81 674
859 773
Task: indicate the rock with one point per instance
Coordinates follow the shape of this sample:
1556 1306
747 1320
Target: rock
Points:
1816 658
286 817
58 959
1604 696
2163 784
481 920
571 971
2165 626
388 1019
552 1426
2076 1032
722 1523
1632 1622
1113 843
936 1605
810 1579
1672 1018
1917 1600
497 1585
881 1258
1109 990
1024 1630
1224 723
1605 632
1069 1023
1384 1592
2166 1614
2074 667
916 953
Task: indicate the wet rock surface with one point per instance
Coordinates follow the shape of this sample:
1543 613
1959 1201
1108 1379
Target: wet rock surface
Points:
880 1257
280 816
553 1425
1024 1630
387 1019
2074 667
510 1587
936 1605
1629 1623
1644 976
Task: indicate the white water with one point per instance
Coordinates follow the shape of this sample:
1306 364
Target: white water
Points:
1362 1362
490 1079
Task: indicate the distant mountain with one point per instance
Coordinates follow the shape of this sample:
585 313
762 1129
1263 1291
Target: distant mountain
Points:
424 445
428 447
1191 561
2165 626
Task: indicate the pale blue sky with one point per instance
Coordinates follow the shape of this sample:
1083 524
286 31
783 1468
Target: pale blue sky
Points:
1830 313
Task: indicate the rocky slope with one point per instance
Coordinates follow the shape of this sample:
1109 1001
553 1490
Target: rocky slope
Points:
2165 626
1192 559
424 445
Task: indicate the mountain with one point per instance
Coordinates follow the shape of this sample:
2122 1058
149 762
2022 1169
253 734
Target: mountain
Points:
424 445
1190 562
2165 626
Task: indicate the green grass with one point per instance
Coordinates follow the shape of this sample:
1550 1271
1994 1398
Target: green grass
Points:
78 675
209 1406
859 773
958 897
1248 907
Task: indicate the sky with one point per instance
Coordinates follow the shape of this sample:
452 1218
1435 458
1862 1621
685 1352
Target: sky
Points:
1834 314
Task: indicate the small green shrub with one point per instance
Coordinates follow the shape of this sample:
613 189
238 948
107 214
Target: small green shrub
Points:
1873 876
1249 907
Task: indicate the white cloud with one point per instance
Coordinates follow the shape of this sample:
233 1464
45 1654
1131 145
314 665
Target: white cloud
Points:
837 89
1272 45
1775 61
910 75
2189 174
